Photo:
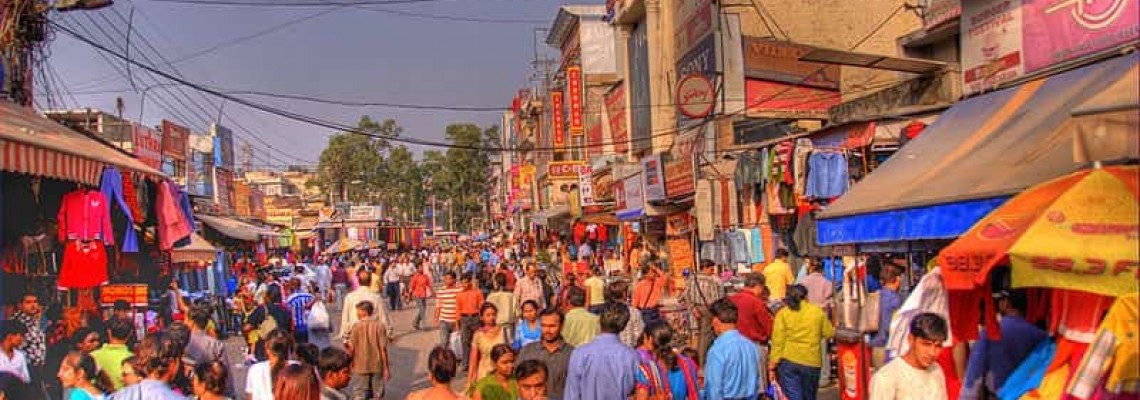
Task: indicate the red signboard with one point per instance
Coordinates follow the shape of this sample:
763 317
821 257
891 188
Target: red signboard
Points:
696 96
175 140
574 90
615 110
135 294
679 179
563 169
594 138
557 123
785 100
147 145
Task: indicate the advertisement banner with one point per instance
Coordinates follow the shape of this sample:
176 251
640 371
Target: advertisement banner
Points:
200 174
241 199
703 202
223 190
557 124
1062 30
146 145
526 187
257 204
940 11
640 104
679 178
574 91
595 138
696 21
700 60
586 185
654 174
603 187
991 43
630 198
781 100
175 140
563 169
678 230
223 146
615 111
778 61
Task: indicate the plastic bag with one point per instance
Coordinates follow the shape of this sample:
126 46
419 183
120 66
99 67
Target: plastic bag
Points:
318 317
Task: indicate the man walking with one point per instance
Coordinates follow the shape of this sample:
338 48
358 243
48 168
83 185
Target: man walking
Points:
581 325
754 320
335 367
552 351
605 368
702 290
420 288
445 308
467 303
368 345
647 294
110 356
595 291
363 293
530 288
916 375
392 286
732 369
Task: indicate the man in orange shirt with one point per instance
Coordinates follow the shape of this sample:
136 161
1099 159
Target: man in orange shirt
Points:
467 305
420 288
647 293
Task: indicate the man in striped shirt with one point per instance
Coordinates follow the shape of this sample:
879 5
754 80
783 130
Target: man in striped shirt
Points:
298 302
445 308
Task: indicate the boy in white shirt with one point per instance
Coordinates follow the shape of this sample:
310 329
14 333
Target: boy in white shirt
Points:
11 359
916 375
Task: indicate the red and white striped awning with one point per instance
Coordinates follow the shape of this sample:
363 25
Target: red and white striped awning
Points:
27 159
35 145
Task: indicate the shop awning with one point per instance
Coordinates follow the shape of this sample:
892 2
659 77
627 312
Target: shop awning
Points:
199 250
545 216
232 228
977 154
35 145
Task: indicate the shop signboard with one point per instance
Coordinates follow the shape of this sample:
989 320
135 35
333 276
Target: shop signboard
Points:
595 138
223 190
615 111
767 99
603 186
526 186
200 175
364 212
175 140
557 125
241 198
135 294
679 178
630 198
678 230
696 96
700 60
703 203
223 146
779 61
563 169
654 174
697 19
574 92
991 43
1061 30
146 145
940 11
586 186
640 104
257 204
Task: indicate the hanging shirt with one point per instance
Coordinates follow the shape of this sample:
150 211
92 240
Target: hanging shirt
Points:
757 240
111 185
827 175
85 215
739 246
172 223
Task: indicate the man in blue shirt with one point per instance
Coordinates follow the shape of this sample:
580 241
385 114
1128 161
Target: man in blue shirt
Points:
604 368
732 366
991 361
889 302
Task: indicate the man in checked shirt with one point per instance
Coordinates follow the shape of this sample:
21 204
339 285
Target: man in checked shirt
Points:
701 290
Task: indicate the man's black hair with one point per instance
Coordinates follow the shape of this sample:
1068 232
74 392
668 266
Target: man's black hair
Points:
576 296
13 327
929 326
333 360
553 312
366 306
724 310
529 368
120 329
614 317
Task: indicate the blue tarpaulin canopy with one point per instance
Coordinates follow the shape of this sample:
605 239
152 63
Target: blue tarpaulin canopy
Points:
977 154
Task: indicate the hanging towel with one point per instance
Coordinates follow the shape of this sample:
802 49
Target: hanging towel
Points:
757 240
172 224
111 185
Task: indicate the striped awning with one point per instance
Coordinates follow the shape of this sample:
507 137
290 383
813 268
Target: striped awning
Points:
199 250
35 145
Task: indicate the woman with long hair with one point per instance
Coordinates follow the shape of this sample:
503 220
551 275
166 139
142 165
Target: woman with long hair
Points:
485 338
663 373
297 382
260 377
78 373
499 385
527 330
795 357
442 365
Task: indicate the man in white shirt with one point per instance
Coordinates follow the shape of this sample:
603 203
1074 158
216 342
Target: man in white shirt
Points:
362 293
916 375
12 360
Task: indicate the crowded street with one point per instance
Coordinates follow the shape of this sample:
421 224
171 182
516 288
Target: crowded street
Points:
569 200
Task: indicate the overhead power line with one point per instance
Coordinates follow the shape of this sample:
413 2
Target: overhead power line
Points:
455 18
303 3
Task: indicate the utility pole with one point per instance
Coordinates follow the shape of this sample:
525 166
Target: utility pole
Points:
27 21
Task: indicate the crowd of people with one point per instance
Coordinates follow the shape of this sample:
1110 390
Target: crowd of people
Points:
509 327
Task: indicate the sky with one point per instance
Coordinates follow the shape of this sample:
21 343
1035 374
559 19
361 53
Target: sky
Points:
346 53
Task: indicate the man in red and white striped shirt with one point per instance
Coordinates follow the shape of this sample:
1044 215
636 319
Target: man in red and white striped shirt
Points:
445 308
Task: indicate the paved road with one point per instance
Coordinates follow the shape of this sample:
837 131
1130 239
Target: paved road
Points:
408 357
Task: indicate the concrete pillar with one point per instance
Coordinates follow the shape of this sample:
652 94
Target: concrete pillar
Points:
659 32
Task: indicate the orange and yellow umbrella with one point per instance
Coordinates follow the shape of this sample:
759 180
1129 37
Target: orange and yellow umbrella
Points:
1079 232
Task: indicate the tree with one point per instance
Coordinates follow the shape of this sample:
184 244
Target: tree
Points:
462 178
351 165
